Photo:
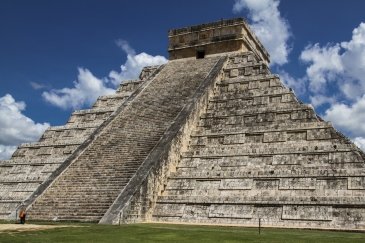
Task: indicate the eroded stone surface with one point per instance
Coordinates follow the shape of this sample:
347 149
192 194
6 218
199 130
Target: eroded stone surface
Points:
257 152
32 164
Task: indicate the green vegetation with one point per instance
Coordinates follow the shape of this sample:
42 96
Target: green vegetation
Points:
175 233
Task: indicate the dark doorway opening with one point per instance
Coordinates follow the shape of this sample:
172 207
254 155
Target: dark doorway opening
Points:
200 54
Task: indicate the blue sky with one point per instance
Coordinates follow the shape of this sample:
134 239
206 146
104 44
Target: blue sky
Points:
57 56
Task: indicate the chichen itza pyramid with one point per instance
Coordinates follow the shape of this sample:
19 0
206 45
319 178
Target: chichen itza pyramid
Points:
211 137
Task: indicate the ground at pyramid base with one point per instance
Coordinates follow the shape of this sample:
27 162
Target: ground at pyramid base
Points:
211 137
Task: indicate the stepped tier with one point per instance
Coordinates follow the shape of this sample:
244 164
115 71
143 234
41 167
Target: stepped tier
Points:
92 182
33 164
258 152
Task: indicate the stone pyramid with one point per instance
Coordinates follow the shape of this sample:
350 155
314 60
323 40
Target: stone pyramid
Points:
211 137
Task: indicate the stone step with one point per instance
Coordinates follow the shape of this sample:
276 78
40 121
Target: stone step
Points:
246 111
273 174
222 96
90 125
288 127
273 78
125 142
59 142
262 149
259 200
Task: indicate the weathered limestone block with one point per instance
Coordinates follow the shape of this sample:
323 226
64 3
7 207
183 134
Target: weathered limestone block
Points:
282 116
315 134
273 137
303 114
261 100
264 85
206 187
236 184
321 213
332 184
275 99
241 161
231 211
268 184
356 183
169 210
274 82
194 213
287 98
296 135
234 138
297 184
266 117
189 163
345 157
184 184
233 73
254 85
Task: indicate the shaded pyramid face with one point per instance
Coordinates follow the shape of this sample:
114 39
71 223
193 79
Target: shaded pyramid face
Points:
257 152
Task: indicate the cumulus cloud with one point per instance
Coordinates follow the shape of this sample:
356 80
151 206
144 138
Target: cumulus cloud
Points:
87 88
134 64
338 64
6 151
325 64
349 118
337 71
360 142
267 23
318 100
298 85
15 127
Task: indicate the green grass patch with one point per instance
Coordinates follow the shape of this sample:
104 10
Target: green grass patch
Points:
175 233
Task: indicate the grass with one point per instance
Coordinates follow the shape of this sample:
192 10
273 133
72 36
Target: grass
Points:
176 233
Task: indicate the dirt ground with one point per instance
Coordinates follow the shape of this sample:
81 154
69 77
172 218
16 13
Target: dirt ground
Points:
27 227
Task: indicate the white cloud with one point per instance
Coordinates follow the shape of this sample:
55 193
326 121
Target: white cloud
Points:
298 85
38 86
349 118
325 65
339 64
15 127
360 142
337 70
134 64
6 151
87 88
267 23
319 100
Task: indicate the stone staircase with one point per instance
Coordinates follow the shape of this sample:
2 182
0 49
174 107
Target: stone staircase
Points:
91 183
33 164
258 152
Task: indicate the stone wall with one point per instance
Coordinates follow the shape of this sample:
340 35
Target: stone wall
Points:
224 36
257 152
33 166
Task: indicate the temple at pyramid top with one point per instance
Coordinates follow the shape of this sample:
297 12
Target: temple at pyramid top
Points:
231 35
